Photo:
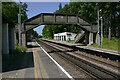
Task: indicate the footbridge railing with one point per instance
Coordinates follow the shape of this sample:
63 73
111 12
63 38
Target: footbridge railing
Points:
57 19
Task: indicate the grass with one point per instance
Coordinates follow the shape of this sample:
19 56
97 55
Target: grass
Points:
50 38
112 44
72 41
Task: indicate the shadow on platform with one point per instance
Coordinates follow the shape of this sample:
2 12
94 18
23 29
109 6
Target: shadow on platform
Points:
31 46
17 61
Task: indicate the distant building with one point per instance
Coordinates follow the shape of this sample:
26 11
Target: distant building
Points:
65 36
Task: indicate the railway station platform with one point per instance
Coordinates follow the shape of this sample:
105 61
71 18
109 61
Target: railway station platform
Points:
35 64
44 65
78 45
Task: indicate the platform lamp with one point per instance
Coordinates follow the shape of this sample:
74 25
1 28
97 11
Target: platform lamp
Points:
98 27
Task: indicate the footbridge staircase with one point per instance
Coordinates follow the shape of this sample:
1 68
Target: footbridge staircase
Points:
80 37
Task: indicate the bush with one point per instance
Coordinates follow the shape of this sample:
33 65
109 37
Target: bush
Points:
83 42
17 49
24 49
50 38
29 39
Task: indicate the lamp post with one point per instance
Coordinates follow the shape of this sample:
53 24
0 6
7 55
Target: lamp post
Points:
101 31
98 27
19 22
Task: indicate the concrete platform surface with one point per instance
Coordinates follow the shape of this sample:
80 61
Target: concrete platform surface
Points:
34 64
44 65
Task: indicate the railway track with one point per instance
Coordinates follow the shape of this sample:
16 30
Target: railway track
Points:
83 63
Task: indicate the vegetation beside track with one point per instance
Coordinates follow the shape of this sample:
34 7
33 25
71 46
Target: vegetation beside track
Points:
72 41
109 44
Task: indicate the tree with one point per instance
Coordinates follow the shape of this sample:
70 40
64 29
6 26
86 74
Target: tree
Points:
60 6
11 10
88 11
40 36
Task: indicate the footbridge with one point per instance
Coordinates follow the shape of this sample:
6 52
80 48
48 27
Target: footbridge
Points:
58 19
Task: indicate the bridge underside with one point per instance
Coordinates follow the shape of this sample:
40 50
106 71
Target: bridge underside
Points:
57 19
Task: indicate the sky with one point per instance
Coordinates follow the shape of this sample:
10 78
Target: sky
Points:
35 8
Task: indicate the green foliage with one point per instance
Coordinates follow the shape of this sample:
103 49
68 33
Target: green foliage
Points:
60 6
31 35
11 10
29 39
24 49
112 44
49 30
72 41
17 49
83 42
50 38
39 36
87 11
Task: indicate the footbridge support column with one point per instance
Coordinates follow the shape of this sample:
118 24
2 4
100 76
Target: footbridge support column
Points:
5 40
24 42
89 39
12 40
96 38
86 37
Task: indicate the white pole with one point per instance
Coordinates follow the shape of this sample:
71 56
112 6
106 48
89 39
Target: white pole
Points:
101 31
98 30
19 21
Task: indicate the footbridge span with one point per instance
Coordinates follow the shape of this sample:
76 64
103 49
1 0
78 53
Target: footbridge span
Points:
58 19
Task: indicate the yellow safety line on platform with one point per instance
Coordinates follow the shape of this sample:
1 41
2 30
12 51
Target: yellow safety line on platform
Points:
35 71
